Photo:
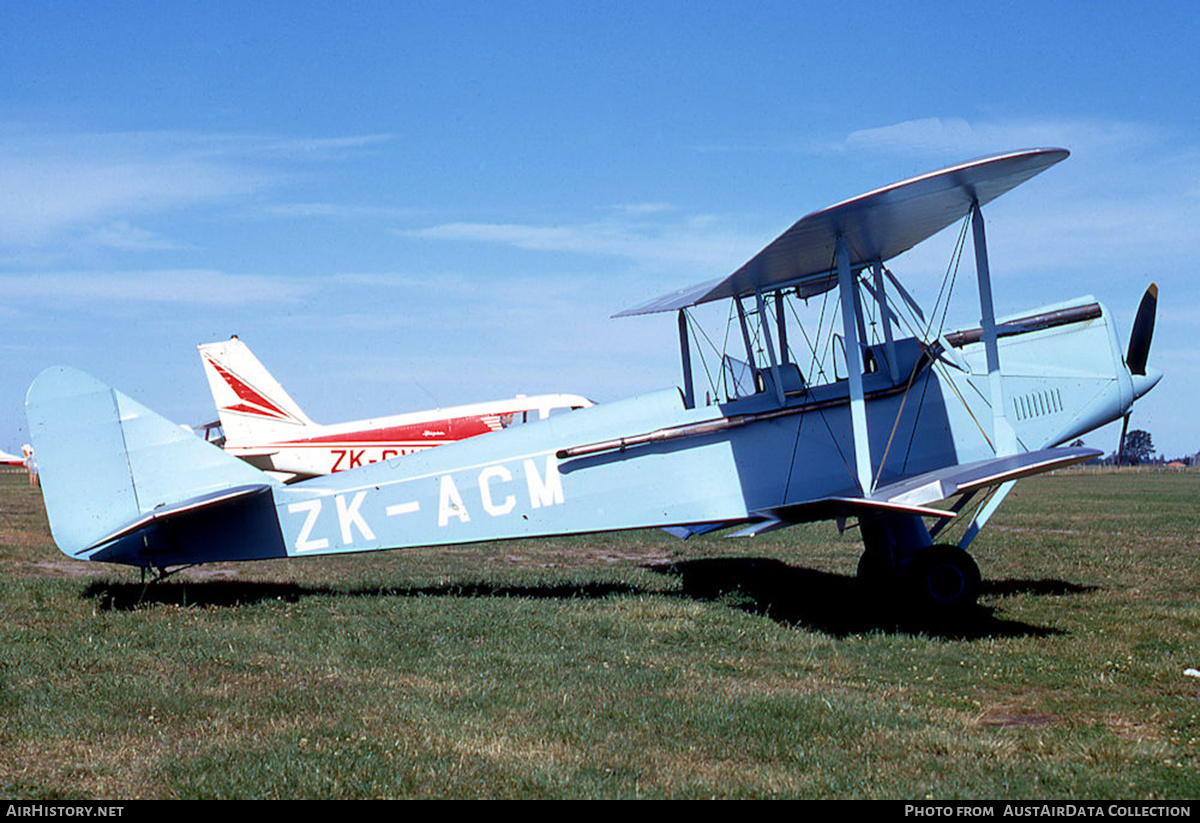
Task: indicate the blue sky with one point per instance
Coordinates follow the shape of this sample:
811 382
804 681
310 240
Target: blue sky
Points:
400 204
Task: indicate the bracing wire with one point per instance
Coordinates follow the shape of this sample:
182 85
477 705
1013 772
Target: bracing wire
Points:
948 281
693 328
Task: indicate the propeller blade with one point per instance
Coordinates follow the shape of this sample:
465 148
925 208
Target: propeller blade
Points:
1121 442
1143 331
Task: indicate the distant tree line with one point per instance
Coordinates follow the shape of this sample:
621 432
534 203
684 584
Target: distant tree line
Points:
1138 450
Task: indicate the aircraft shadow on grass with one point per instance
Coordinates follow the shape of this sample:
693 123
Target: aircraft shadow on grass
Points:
789 595
232 594
836 604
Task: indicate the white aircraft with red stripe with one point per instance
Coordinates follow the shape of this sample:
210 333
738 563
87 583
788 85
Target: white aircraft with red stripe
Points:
266 428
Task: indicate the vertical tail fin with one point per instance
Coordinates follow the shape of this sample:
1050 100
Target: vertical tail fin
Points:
253 407
115 475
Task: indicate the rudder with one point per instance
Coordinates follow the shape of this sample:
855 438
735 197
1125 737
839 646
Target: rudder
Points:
252 405
110 466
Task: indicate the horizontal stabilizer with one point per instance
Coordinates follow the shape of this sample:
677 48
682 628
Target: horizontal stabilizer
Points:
165 513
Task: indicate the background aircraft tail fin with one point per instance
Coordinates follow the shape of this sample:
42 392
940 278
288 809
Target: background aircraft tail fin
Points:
114 472
253 407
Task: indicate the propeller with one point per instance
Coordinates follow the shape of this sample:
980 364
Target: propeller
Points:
1143 330
1121 442
1139 349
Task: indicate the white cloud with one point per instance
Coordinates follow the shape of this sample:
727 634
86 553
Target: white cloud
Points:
643 208
61 186
338 211
953 139
48 194
1126 201
121 235
319 147
703 242
190 286
931 135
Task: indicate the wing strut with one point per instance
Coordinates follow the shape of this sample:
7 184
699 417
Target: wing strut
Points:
1003 437
764 323
685 353
885 317
741 313
854 364
781 324
985 514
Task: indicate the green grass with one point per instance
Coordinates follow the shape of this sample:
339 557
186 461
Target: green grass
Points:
627 665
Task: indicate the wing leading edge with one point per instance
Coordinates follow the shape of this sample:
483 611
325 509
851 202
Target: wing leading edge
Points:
914 494
877 226
910 496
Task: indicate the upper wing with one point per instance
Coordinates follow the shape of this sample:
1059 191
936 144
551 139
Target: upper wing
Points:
877 226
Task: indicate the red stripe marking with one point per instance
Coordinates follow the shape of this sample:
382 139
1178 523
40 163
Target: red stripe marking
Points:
262 407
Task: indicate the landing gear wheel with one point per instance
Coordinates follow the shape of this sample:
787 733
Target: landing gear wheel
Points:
943 580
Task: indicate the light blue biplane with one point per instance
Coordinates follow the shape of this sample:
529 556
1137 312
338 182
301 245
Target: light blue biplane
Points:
903 423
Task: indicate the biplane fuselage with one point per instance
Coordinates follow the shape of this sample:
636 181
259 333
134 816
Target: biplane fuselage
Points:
516 484
513 484
913 422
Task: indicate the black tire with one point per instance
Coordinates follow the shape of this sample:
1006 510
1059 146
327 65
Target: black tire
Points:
943 580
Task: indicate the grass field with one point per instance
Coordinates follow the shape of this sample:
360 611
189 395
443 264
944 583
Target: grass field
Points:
628 665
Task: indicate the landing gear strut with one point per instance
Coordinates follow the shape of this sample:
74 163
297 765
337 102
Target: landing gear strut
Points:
900 559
